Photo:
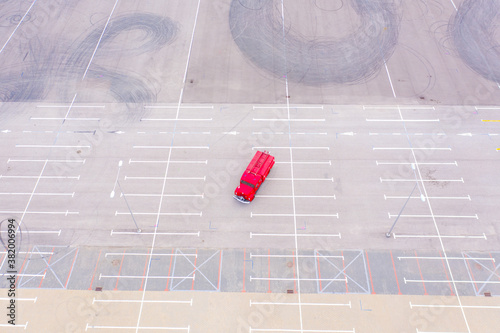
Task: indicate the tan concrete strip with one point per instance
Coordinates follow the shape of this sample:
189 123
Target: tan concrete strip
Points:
113 311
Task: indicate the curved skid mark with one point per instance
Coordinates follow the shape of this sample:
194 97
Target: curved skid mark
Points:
352 59
472 29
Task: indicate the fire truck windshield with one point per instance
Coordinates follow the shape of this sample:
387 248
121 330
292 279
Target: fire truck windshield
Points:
247 183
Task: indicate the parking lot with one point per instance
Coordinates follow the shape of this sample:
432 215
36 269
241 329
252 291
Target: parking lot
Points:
126 127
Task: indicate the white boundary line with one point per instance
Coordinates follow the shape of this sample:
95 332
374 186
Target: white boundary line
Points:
166 171
426 195
297 267
31 197
17 27
99 42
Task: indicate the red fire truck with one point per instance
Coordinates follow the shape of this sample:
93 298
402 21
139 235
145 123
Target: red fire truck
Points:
253 177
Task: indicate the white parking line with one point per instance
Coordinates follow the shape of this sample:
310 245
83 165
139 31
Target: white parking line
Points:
31 275
30 212
297 196
288 106
397 107
252 234
157 233
19 299
47 194
165 328
453 306
294 256
434 198
178 162
171 147
301 330
154 254
142 277
163 132
287 120
409 148
41 177
306 179
294 279
160 178
450 258
438 216
58 232
38 252
137 301
161 214
173 119
179 107
48 161
461 180
165 195
437 236
311 304
294 133
60 118
298 215
74 106
405 120
415 134
448 281
49 146
420 163
329 162
15 326
307 148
